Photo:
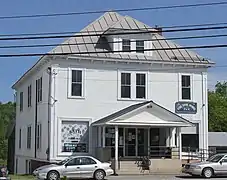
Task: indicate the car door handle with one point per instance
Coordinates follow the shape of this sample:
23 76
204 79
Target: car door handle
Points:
96 166
78 167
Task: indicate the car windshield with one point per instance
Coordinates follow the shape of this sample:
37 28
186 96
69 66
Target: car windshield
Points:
64 161
215 158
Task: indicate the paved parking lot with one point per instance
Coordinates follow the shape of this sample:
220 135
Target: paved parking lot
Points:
159 177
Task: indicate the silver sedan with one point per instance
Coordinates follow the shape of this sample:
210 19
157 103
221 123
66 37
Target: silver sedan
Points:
214 166
75 167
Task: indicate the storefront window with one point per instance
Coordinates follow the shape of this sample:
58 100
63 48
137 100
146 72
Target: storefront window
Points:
110 140
75 136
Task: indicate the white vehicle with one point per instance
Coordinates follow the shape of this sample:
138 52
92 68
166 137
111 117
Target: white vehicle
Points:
75 167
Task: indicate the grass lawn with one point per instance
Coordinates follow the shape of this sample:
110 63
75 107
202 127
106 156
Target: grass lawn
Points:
20 177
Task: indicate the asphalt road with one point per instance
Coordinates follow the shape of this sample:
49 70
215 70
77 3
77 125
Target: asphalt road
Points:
159 177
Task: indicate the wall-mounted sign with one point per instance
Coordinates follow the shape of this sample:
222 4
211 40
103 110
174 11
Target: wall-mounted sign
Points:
186 107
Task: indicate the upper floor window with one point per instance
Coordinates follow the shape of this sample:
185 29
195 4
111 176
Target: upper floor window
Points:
126 45
186 87
141 86
38 136
39 89
125 85
29 95
140 46
29 137
20 139
21 101
76 86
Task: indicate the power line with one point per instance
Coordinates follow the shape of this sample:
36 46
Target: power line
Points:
86 34
109 42
102 52
116 10
73 32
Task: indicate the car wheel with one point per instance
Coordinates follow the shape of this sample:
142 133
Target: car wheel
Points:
208 172
53 175
99 175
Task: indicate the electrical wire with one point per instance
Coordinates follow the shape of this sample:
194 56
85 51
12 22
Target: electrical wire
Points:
112 42
115 10
122 33
81 32
102 52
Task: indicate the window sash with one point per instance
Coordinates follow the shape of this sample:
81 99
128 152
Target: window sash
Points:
125 85
77 83
141 86
186 87
126 45
29 138
38 137
21 101
20 139
29 95
140 46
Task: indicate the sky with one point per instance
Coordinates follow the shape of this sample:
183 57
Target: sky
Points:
11 69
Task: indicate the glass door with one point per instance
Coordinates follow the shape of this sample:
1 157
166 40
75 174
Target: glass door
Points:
130 142
142 137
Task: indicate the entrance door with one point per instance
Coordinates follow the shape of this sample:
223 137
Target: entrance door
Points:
142 136
130 142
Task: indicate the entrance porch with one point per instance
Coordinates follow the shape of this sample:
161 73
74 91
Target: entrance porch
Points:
141 130
133 142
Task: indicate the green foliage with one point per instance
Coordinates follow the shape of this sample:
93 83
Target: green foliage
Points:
7 114
217 105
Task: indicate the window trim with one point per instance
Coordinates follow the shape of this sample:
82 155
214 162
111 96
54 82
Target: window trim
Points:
82 119
133 85
29 139
137 40
20 139
29 98
39 136
191 87
39 89
70 83
146 86
130 45
21 99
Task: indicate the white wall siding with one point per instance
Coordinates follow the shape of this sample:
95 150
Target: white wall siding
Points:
101 91
27 117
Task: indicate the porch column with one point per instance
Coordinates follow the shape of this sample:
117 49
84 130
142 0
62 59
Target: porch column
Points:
172 137
179 142
99 136
116 147
103 136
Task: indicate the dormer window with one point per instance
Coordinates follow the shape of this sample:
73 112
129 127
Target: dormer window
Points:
140 46
126 45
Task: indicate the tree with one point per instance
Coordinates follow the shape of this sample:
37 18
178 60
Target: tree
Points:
7 114
217 108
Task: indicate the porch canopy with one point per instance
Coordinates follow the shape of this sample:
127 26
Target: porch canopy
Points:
147 113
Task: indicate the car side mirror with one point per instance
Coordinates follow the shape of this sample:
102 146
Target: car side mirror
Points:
220 162
66 165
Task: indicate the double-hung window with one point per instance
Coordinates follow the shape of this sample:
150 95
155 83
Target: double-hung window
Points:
125 85
126 45
21 101
77 83
20 134
140 46
186 87
29 95
39 136
39 87
29 137
141 86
